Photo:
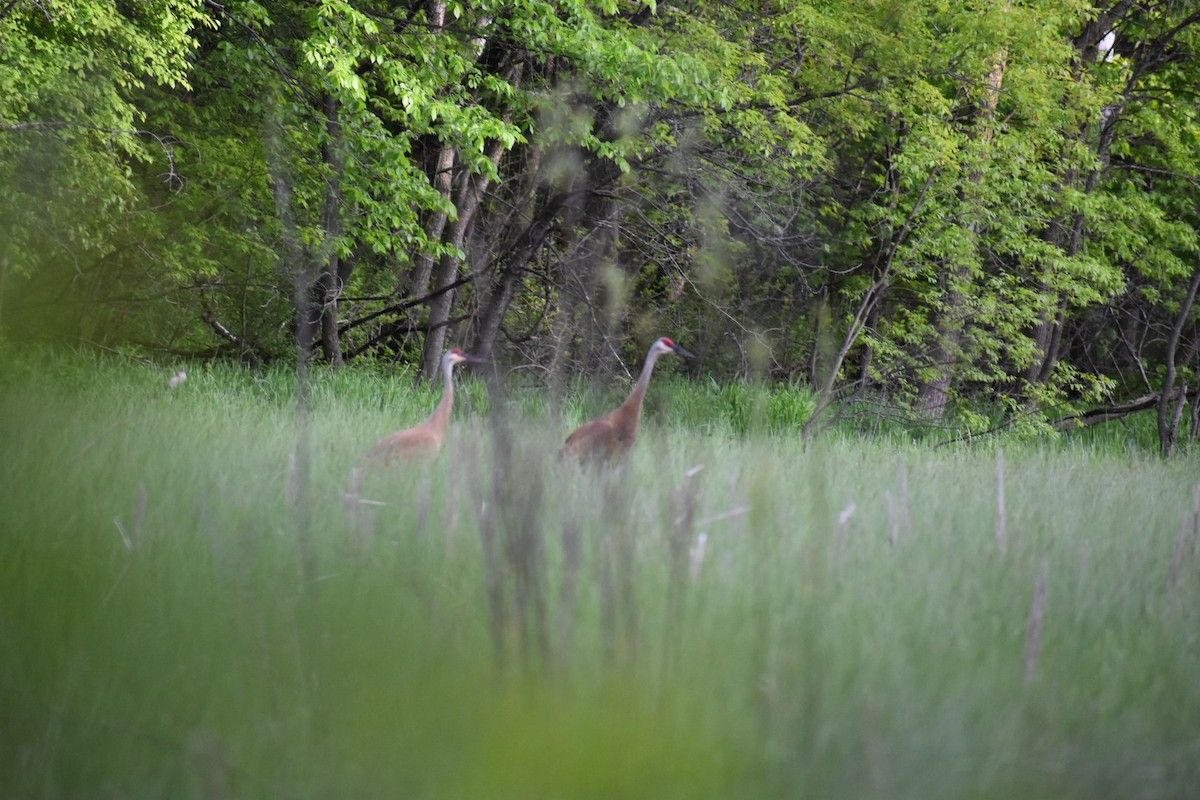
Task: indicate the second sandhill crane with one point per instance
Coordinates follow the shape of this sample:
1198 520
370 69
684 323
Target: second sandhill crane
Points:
424 440
613 435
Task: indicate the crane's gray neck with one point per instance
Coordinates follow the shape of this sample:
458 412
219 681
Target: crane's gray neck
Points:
442 412
647 368
639 389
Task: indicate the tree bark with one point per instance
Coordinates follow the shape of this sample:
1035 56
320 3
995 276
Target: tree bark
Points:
468 200
435 223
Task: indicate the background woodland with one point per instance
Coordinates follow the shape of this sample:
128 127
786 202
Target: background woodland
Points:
956 209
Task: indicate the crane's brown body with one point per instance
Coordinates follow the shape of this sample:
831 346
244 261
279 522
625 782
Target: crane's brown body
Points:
610 436
424 440
613 435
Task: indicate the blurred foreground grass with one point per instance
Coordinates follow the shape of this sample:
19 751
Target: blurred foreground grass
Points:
181 615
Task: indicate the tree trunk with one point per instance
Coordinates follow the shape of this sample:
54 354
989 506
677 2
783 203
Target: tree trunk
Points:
1049 341
294 258
442 180
595 240
333 272
435 224
1171 403
468 200
524 251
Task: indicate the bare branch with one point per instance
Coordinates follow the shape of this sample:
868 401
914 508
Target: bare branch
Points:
8 9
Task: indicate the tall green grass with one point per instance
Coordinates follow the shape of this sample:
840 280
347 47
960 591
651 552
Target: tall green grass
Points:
729 615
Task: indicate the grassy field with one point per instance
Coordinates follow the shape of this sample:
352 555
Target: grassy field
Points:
192 607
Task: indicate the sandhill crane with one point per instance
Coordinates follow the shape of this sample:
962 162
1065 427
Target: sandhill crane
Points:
425 439
613 434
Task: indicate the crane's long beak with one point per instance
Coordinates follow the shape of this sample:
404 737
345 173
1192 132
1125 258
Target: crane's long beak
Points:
685 353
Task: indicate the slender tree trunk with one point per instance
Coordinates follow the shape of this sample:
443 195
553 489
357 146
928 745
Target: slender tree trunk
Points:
829 355
298 261
435 223
567 242
504 291
864 369
595 245
317 274
1171 402
442 180
1049 341
295 258
333 272
513 256
468 200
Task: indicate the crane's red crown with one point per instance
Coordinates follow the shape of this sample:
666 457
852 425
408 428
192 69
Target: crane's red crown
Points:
667 342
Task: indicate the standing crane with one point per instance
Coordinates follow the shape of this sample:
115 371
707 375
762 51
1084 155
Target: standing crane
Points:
423 440
613 434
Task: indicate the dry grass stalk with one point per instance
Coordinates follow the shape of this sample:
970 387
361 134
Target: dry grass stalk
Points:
697 553
572 548
841 532
686 555
617 574
1001 511
124 534
490 547
1037 613
608 600
465 448
360 511
1085 563
521 507
736 511
353 492
352 506
294 480
139 511
684 501
424 499
1180 552
131 537
699 548
893 519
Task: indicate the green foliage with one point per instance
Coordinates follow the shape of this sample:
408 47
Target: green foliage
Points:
70 122
73 135
973 193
